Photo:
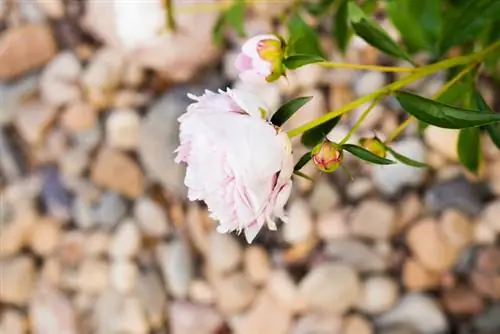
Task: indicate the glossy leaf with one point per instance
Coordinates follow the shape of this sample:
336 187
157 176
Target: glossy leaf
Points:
492 129
303 39
406 160
366 155
302 161
341 31
404 19
288 109
443 115
316 135
299 60
469 148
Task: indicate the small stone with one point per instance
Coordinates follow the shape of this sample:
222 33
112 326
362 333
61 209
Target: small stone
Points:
59 81
116 171
130 317
54 9
443 141
25 48
15 235
97 244
88 139
484 234
45 237
417 277
356 324
373 219
201 292
379 294
367 82
153 298
224 253
411 208
257 264
83 213
13 322
110 209
332 225
123 275
122 129
457 228
300 225
234 293
74 162
187 318
356 254
391 179
176 264
126 241
488 321
461 300
282 287
18 277
317 323
431 247
51 272
72 247
328 282
51 312
55 197
485 277
13 96
92 276
266 316
324 197
359 188
151 217
32 121
78 117
491 214
418 311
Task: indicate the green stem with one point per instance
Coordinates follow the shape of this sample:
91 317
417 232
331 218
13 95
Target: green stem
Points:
359 121
169 8
368 67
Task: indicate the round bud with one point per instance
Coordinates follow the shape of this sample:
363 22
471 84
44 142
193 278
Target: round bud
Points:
327 156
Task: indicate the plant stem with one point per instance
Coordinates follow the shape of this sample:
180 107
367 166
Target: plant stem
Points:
169 9
359 121
367 67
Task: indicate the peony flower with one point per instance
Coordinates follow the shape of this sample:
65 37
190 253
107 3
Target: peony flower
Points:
327 156
261 59
237 161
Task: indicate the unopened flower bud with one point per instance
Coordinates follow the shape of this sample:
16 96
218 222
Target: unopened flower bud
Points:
261 59
327 156
374 145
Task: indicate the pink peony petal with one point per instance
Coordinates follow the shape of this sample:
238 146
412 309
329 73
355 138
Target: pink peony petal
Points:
243 62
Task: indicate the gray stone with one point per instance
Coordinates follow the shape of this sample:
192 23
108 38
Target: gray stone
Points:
110 209
151 217
153 298
188 318
488 322
12 95
176 264
356 254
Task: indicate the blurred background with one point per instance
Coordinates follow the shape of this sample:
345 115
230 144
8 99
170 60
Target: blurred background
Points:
97 235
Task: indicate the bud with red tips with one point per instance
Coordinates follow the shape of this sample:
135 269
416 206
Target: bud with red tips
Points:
327 156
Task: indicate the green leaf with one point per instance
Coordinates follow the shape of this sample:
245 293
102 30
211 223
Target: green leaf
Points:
469 148
467 21
404 19
404 159
443 115
235 17
218 30
492 129
303 175
341 31
302 161
454 93
299 60
366 155
320 8
316 135
303 39
288 109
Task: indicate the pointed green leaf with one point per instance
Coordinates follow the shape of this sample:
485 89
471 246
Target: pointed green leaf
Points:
218 30
320 8
404 19
443 115
302 161
316 135
469 148
288 109
405 160
303 175
299 60
366 155
303 39
235 17
493 129
341 31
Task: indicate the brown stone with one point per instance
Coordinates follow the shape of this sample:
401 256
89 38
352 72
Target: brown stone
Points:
79 117
25 48
118 172
462 300
486 275
417 277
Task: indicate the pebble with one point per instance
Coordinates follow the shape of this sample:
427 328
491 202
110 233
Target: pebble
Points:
484 234
443 141
116 171
457 228
73 162
359 188
129 317
72 247
418 311
379 294
328 282
153 298
45 236
83 213
416 277
51 271
431 247
367 82
282 287
18 278
188 318
123 275
25 48
461 300
88 139
332 225
177 266
13 95
391 179
32 120
317 323
486 274
356 324
109 210
79 117
323 198
257 264
266 316
488 321
13 322
51 312
92 276
373 219
97 244
54 9
122 129
151 217
15 234
234 293
300 225
224 253
59 80
201 292
126 242
55 197
491 215
356 254
410 209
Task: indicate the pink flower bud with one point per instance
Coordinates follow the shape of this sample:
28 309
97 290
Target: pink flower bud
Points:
261 59
327 156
